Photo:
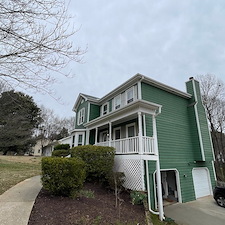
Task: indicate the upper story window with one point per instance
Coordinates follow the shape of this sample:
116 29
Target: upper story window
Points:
105 108
117 102
81 116
130 95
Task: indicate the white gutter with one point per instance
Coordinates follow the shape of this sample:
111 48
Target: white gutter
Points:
148 189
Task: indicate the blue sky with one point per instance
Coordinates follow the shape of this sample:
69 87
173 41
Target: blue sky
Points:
166 40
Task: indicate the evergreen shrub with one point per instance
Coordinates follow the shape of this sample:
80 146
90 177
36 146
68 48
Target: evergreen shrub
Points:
63 176
60 153
62 146
99 161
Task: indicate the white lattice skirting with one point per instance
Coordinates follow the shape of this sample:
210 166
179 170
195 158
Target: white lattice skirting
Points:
133 170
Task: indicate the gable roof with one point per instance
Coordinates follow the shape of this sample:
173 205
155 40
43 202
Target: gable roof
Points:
126 85
86 98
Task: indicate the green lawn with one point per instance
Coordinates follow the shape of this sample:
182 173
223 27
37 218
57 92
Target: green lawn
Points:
14 169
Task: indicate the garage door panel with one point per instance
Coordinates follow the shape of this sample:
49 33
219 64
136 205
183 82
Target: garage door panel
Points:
201 182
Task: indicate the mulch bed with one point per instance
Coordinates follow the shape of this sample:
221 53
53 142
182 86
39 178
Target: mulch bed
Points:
56 210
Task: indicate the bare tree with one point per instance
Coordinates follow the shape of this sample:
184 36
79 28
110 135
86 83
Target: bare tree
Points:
35 42
53 127
213 97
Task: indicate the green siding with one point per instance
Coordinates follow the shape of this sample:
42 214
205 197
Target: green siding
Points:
94 111
175 136
83 105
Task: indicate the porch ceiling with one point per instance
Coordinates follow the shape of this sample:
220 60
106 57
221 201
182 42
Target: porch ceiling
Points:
125 113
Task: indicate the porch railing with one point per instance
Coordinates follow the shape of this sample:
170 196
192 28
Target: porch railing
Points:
131 145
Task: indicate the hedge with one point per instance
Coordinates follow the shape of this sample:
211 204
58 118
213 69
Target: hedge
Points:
62 146
63 176
60 153
99 161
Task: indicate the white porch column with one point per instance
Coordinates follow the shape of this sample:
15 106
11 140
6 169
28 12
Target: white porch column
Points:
87 136
96 135
140 135
144 125
110 134
158 174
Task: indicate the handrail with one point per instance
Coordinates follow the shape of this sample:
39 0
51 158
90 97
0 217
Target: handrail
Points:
131 145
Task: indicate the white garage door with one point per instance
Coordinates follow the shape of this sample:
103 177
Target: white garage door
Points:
201 182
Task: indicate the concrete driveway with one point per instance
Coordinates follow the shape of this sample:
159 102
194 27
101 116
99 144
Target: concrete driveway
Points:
203 211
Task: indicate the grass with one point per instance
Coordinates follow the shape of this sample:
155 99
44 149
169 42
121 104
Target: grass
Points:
156 221
14 169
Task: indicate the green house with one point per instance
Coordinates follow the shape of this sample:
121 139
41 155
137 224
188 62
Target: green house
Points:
160 135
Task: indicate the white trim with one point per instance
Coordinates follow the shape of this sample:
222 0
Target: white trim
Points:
214 171
177 176
114 101
76 141
139 90
102 109
87 136
110 134
131 125
88 112
197 121
144 125
81 116
126 97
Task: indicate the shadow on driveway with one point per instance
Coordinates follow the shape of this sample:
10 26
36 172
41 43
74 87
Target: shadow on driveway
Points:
203 211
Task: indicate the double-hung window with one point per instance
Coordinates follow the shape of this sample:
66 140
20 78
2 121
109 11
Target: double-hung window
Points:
130 95
105 108
117 102
81 116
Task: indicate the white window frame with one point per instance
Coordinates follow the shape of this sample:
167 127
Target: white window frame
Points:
117 106
81 116
131 125
77 138
131 99
114 132
107 111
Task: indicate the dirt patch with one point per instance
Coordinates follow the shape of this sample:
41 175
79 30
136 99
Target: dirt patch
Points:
99 210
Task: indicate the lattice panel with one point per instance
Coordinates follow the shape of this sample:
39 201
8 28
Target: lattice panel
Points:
133 172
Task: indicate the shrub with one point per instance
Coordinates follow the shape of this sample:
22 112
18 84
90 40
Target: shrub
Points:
63 176
137 197
62 146
60 153
99 161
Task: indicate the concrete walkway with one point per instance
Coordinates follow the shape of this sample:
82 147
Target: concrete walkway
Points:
17 202
203 211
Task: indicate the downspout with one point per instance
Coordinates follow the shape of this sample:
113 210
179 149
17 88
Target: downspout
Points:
148 189
158 173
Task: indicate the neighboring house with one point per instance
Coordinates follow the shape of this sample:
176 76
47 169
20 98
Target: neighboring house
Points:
38 147
153 128
66 140
48 149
